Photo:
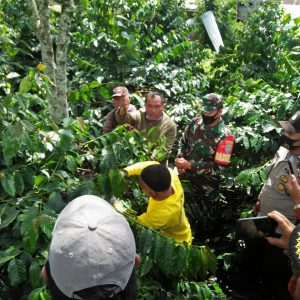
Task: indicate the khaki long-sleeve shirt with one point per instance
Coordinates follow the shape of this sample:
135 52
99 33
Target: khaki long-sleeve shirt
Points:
163 127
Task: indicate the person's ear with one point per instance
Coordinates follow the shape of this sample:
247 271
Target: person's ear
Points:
152 193
44 274
138 260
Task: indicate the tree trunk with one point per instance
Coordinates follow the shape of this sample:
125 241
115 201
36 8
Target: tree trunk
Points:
56 63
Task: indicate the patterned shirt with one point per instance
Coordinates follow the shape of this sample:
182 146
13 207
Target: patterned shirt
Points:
199 144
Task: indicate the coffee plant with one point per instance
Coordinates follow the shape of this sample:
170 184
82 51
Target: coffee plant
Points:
147 46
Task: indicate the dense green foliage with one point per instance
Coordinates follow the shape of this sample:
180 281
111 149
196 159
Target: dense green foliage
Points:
144 45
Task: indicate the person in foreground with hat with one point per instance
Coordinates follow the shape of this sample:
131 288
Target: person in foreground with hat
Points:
165 209
119 93
92 254
204 150
151 121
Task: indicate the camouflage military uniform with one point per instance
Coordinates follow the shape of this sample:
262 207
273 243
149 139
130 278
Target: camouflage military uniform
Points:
198 145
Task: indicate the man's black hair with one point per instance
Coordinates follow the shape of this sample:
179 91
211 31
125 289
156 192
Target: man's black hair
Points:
154 94
157 177
102 292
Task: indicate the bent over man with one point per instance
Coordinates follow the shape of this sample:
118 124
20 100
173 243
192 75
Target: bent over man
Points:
165 209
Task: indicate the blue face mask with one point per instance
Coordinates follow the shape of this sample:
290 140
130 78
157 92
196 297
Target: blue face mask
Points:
287 142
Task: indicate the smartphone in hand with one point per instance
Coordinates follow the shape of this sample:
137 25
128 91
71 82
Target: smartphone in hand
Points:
255 227
290 165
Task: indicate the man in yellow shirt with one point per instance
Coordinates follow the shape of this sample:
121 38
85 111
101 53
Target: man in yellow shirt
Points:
165 209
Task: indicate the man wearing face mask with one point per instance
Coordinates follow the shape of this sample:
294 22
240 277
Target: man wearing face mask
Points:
273 195
266 263
204 150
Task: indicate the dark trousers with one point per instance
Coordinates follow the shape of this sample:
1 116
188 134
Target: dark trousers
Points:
264 264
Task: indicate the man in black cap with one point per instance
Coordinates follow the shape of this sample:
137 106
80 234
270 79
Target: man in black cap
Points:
266 262
273 195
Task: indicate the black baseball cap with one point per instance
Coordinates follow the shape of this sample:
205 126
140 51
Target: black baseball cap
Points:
293 124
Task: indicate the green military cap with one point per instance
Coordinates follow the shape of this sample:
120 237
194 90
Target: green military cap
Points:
211 102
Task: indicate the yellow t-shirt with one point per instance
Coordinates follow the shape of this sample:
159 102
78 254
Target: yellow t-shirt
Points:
168 214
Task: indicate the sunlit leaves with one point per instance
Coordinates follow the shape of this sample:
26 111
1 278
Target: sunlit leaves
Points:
253 177
39 294
47 225
12 75
25 85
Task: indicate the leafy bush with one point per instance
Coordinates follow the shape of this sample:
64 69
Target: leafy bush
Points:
144 45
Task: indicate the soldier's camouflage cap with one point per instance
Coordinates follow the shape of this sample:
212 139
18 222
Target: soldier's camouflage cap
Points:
211 102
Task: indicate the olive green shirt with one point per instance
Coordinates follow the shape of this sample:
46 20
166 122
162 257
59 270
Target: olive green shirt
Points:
163 127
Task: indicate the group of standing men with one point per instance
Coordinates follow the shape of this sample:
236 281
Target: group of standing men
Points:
152 116
204 149
92 254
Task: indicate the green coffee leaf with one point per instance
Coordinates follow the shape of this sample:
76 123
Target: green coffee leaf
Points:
16 272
